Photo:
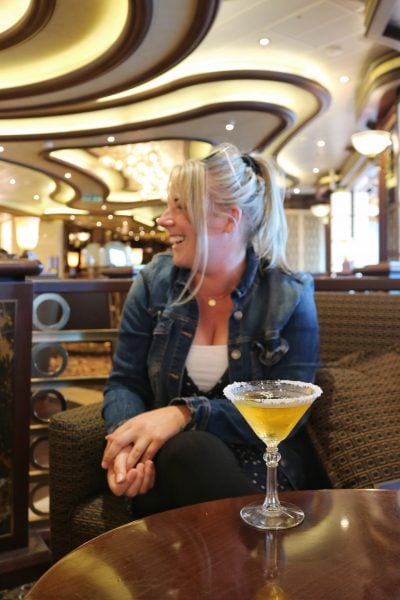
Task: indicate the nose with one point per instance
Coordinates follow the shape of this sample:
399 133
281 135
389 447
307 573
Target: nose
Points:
165 219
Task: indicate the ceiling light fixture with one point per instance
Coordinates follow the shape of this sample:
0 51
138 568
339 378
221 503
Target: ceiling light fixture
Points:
264 41
230 126
145 165
371 142
320 210
27 232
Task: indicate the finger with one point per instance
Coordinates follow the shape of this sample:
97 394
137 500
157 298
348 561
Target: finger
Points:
118 489
137 452
110 452
149 477
135 486
151 450
121 437
119 467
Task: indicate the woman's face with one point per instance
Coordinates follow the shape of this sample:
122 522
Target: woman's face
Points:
182 235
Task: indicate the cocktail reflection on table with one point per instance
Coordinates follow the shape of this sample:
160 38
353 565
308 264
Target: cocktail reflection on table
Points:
272 409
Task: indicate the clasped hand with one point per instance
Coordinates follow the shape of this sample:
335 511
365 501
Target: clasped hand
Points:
131 448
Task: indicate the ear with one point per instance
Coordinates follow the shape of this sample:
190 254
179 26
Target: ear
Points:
235 215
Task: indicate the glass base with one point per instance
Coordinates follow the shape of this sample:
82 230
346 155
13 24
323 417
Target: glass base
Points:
257 516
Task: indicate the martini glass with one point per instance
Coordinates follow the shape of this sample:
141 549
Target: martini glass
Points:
272 409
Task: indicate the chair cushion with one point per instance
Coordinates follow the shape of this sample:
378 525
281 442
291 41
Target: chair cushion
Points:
355 425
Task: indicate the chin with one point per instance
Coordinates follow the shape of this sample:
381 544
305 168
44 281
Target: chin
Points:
180 260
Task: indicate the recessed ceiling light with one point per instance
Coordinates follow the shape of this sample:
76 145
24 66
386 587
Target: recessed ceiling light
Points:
264 41
67 175
110 217
315 170
98 223
36 197
344 79
296 190
72 218
111 139
1 148
230 126
13 181
321 143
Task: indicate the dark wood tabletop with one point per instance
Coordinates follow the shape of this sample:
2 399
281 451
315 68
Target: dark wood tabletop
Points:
347 548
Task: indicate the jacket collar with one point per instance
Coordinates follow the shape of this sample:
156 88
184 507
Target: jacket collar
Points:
181 275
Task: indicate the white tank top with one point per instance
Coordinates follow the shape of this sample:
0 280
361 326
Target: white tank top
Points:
206 365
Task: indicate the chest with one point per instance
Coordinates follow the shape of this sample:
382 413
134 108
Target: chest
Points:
213 324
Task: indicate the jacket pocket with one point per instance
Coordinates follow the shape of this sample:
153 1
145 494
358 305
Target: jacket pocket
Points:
272 349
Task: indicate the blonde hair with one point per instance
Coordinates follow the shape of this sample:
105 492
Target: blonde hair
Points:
227 178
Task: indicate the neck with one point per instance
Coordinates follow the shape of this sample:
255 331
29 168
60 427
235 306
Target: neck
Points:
220 284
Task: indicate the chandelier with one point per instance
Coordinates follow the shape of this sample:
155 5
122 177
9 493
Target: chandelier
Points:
145 166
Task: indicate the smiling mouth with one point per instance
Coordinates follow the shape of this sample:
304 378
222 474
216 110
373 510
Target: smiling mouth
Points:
175 240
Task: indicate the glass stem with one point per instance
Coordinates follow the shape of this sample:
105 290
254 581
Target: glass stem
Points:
272 458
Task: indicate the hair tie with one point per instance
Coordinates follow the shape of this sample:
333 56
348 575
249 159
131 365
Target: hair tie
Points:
250 162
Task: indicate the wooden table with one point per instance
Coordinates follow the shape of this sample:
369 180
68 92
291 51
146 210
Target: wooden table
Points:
348 547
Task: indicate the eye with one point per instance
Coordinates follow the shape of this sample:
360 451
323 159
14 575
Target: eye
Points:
178 204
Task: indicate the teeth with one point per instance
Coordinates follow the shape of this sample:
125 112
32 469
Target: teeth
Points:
176 239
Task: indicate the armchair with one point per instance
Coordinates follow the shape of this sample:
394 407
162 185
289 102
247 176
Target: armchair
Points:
81 507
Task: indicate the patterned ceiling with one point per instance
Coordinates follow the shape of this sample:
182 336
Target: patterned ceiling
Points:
82 79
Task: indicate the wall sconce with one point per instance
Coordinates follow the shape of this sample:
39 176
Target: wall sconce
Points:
320 210
371 142
27 232
72 262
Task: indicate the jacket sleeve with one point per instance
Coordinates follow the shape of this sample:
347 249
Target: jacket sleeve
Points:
127 391
301 333
219 417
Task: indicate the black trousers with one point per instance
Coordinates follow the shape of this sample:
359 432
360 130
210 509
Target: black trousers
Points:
192 467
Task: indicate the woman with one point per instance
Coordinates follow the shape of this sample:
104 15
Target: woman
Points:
222 306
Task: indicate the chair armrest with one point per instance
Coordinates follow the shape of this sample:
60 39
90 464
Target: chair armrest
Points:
76 443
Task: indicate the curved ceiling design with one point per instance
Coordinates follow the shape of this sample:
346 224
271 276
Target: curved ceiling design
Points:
81 82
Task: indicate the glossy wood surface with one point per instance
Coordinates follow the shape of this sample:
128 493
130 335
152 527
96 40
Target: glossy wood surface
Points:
347 548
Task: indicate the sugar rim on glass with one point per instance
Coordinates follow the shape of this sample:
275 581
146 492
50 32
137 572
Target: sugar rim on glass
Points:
317 391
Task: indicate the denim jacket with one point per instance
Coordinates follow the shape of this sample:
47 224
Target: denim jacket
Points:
273 334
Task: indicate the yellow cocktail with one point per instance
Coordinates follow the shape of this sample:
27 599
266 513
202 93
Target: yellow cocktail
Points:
272 409
271 420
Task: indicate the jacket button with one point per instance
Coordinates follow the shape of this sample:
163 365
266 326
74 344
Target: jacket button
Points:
236 354
238 315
